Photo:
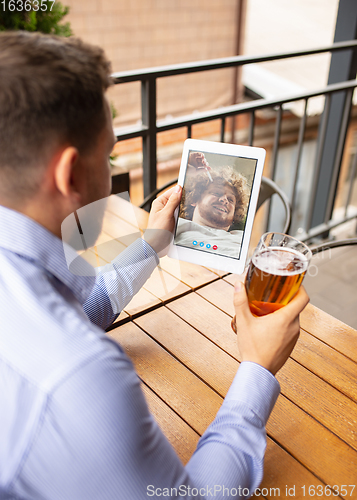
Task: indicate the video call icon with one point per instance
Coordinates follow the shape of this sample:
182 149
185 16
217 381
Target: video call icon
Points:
202 244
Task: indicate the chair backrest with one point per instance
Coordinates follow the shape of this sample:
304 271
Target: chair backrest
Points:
333 244
267 189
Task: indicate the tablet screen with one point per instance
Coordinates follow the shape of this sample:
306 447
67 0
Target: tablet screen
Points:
214 205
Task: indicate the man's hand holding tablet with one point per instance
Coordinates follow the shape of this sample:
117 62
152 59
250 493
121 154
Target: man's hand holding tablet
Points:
161 220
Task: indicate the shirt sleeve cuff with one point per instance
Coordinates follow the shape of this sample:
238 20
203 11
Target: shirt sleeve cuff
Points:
127 273
256 387
149 251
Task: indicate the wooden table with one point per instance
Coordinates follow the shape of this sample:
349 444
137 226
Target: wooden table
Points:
177 333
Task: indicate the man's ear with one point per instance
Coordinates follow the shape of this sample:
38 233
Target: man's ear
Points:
64 172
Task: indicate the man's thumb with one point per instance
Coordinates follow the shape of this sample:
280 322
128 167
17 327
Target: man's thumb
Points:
240 300
175 197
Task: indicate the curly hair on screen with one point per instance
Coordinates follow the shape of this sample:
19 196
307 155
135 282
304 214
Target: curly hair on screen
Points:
198 184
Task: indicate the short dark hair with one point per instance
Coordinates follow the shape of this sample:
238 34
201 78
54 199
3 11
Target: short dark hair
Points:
51 93
199 183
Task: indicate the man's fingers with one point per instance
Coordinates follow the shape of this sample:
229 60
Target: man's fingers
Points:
240 302
242 277
174 198
171 197
164 197
162 200
291 310
297 304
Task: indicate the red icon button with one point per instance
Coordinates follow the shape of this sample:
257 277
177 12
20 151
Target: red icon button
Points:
214 247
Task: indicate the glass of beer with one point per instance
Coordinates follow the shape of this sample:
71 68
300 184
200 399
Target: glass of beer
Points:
275 273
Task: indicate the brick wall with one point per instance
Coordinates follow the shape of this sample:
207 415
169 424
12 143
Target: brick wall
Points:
143 33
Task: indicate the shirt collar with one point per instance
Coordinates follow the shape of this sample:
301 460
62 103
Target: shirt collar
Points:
24 236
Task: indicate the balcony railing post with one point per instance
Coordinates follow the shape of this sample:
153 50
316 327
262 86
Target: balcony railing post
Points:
343 67
148 105
150 126
275 156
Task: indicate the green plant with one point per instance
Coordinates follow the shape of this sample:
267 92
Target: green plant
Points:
33 18
113 110
114 113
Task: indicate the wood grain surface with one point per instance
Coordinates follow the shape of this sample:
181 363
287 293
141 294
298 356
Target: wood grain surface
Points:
184 351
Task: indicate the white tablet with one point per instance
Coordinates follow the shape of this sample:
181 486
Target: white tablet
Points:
214 221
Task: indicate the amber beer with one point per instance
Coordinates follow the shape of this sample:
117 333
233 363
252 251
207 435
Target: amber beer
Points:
273 278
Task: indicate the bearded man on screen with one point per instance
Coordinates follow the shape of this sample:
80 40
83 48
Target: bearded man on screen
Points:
212 213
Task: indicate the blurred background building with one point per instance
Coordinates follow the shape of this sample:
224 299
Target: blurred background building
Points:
153 33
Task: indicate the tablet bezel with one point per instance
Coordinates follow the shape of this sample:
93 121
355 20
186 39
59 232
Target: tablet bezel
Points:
222 263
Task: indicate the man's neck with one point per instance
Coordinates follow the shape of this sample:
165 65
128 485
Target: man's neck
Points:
40 212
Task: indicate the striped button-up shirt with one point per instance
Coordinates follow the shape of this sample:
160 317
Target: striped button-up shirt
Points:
74 424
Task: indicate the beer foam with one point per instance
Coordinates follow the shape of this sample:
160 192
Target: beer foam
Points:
281 261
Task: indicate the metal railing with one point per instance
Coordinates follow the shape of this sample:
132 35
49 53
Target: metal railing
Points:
150 126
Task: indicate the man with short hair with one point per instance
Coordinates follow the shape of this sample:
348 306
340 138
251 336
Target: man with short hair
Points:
74 423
